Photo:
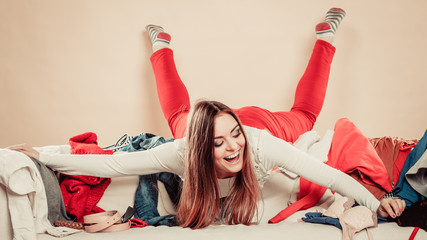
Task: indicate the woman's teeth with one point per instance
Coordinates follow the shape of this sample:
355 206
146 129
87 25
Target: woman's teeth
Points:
232 156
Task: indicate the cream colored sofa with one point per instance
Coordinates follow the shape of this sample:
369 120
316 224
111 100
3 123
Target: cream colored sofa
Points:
276 194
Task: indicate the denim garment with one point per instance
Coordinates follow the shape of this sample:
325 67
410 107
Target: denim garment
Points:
146 195
403 189
317 217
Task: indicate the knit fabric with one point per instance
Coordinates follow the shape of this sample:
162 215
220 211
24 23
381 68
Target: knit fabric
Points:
82 193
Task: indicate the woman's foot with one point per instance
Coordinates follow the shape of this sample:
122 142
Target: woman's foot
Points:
159 39
326 30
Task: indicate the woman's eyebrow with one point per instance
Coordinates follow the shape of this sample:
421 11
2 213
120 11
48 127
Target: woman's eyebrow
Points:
232 130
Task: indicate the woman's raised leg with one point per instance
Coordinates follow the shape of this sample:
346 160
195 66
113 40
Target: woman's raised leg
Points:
310 92
173 95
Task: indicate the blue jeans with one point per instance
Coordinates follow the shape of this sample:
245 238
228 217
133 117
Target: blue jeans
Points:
146 195
146 198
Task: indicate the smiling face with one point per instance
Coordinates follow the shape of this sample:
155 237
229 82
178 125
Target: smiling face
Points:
229 146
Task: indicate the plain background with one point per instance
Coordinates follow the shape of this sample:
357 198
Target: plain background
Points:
68 67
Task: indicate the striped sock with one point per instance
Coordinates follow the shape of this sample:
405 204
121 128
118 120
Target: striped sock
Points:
159 39
332 20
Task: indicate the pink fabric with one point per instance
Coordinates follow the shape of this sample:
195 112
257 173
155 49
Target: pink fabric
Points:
287 125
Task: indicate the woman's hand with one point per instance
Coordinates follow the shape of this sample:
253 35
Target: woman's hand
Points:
391 207
25 149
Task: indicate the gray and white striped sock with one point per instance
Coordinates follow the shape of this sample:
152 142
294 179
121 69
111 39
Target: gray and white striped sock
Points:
332 20
159 39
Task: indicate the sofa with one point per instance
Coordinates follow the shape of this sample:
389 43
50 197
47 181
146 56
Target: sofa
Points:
277 193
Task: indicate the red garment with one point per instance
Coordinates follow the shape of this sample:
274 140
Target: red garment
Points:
376 190
414 233
400 161
309 195
82 193
351 152
289 125
393 151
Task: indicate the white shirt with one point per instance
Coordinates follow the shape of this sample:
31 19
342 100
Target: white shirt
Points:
266 151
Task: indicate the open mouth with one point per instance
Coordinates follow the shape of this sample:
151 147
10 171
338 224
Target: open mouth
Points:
233 158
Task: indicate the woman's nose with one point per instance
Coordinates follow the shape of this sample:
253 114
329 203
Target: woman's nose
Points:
232 145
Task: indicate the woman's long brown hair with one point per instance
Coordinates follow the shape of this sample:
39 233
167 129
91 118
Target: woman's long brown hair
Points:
200 203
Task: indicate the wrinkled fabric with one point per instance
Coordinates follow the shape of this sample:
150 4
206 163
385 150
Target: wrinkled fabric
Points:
146 201
376 190
82 193
390 149
55 202
417 175
350 152
338 207
342 214
26 197
356 219
146 195
317 217
403 190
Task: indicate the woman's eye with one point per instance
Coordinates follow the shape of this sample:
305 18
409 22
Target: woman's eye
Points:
218 143
237 132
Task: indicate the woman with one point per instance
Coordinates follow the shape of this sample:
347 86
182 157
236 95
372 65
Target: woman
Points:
309 96
218 146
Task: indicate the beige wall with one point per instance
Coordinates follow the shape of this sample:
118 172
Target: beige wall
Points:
68 67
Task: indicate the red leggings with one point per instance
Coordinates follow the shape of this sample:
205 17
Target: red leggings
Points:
287 125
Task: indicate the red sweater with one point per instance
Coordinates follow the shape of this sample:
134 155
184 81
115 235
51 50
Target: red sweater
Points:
82 193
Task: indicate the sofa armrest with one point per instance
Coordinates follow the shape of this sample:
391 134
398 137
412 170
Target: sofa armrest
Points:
5 224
